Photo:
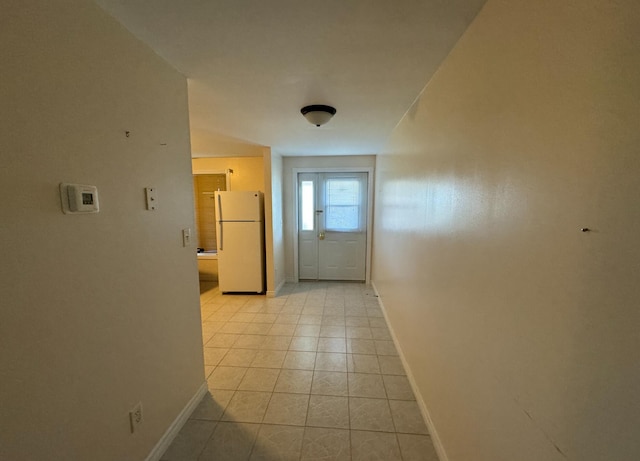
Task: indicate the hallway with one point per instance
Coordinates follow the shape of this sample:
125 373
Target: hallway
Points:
309 375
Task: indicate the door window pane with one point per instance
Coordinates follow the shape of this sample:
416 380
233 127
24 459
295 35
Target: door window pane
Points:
342 204
307 207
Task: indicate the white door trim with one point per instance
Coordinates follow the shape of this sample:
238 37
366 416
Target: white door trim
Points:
369 170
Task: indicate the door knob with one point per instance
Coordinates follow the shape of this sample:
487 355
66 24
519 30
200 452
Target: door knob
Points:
321 235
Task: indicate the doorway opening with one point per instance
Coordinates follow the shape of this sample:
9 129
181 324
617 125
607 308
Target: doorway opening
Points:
204 187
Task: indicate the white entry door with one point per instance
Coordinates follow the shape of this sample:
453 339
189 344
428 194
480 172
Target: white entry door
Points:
332 226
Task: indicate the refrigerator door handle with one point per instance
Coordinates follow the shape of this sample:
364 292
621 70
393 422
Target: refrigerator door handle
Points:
220 222
221 236
219 208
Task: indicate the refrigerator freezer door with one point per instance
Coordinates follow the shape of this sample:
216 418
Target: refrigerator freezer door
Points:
239 206
241 257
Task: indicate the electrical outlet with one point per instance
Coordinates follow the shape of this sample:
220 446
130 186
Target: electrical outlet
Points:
135 417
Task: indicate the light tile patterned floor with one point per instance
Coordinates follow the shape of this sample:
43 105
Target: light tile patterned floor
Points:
309 375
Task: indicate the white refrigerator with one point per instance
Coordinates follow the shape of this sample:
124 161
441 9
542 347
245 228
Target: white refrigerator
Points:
240 238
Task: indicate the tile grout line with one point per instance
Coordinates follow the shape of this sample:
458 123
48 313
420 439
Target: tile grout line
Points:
346 354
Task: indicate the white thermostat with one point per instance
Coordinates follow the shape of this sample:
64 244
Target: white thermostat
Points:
79 198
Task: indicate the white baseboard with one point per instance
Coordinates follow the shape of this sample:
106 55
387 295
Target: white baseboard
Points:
177 424
274 293
437 443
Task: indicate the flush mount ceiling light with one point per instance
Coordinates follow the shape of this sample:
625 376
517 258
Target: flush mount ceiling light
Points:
318 114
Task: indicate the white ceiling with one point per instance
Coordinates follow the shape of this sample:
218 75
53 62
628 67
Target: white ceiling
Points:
252 64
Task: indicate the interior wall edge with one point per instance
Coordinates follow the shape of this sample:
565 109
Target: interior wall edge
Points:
426 416
177 424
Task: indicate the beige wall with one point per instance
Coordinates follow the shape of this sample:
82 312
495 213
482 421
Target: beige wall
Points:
521 331
288 188
248 172
205 143
274 232
98 311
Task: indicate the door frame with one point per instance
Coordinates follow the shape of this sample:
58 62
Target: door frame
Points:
369 170
227 174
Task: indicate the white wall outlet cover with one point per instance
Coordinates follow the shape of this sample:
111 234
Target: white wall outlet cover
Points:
151 198
79 198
